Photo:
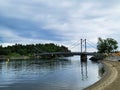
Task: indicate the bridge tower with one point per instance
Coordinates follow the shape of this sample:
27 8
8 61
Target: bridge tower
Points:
83 50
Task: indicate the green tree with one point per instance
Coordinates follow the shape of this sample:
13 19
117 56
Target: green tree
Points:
107 45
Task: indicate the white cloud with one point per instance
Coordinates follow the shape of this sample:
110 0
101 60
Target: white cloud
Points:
72 19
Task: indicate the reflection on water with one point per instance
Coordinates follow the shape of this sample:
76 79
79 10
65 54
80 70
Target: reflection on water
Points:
84 70
59 74
101 70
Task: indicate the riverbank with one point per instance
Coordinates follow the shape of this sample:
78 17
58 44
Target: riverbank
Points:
14 57
110 80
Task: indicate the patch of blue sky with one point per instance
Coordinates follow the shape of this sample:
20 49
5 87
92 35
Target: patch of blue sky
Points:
1 39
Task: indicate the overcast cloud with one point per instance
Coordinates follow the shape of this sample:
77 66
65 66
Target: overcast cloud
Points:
58 21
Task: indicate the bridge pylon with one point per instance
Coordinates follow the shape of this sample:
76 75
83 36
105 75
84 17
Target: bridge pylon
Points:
83 53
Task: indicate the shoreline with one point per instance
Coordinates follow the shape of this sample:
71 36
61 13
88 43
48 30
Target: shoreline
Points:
109 79
15 58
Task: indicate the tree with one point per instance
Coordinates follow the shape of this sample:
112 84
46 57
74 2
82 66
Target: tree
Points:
107 45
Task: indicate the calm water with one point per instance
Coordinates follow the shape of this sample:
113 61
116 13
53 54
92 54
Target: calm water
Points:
62 74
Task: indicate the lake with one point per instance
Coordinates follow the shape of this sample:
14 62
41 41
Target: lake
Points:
58 74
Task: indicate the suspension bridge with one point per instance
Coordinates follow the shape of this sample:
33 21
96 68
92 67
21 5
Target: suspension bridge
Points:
83 45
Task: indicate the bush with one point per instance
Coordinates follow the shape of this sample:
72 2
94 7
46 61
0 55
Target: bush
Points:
14 54
97 57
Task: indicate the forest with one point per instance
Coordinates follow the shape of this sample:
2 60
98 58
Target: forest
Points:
31 49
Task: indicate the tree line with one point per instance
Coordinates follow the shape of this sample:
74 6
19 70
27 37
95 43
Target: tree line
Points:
31 49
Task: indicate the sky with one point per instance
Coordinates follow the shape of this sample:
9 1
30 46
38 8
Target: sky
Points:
62 22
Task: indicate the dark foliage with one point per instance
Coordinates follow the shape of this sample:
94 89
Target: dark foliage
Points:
30 50
107 45
97 57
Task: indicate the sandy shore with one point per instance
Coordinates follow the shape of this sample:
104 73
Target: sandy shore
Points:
111 79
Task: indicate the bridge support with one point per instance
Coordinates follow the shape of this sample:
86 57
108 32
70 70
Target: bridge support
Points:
83 57
83 53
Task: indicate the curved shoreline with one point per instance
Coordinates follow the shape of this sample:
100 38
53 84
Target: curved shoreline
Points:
110 76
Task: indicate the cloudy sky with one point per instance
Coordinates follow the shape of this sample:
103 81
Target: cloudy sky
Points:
58 21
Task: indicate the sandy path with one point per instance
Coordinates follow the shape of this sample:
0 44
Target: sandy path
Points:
111 79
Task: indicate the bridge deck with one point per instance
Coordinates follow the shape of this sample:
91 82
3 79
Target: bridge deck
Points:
67 53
